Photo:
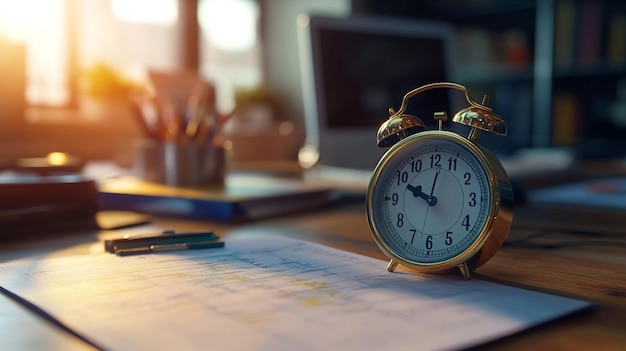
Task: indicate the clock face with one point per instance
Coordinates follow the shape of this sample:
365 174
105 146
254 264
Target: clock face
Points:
430 199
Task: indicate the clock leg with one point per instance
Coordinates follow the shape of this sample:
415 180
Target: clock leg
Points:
392 266
464 270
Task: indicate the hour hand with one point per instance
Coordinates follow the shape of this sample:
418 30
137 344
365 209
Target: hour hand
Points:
417 192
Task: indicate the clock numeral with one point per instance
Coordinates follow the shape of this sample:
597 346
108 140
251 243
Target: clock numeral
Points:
466 222
403 177
467 178
413 231
416 166
429 239
435 160
400 221
394 198
472 201
448 238
452 164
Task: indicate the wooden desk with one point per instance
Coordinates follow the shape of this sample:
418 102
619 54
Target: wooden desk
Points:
596 273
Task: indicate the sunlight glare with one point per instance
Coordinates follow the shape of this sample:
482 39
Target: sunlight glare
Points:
156 12
229 24
57 158
41 27
17 18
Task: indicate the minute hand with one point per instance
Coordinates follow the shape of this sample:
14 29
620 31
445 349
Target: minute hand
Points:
432 190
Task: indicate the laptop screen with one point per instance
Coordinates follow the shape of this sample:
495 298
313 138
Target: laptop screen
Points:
354 69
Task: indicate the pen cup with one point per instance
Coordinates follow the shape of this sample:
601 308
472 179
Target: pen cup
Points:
179 164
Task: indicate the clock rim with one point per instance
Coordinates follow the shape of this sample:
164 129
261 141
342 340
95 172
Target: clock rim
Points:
499 214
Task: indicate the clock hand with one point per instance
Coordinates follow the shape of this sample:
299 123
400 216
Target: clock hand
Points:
417 192
432 190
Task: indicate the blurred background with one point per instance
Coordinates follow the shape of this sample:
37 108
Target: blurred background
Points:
555 69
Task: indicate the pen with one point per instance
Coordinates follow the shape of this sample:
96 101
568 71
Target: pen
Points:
166 241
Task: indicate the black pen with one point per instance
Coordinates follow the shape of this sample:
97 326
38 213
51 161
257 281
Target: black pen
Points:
166 241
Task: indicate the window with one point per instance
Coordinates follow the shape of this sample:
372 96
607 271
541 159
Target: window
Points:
129 36
63 38
41 26
229 49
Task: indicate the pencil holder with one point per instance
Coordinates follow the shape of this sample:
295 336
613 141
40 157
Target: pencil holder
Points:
177 164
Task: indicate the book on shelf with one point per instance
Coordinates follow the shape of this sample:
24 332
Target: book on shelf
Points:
564 29
616 42
590 33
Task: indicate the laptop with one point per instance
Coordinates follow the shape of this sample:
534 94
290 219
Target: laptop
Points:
353 70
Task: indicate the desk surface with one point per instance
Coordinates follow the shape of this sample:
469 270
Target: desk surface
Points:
594 269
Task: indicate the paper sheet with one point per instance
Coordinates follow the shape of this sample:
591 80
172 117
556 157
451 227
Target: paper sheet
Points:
272 293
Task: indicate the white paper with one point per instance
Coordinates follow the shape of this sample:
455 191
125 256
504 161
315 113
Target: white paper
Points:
272 293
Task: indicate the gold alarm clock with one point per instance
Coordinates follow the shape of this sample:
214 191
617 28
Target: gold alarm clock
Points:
437 201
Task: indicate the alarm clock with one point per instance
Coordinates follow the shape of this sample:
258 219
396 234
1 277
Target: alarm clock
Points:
438 202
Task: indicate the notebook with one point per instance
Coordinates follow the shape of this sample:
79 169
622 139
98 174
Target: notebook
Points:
353 70
244 197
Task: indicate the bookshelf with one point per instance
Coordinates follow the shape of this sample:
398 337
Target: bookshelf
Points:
555 69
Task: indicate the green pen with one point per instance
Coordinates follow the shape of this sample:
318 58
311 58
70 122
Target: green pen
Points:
168 240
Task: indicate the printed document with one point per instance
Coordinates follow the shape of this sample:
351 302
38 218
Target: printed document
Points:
272 293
